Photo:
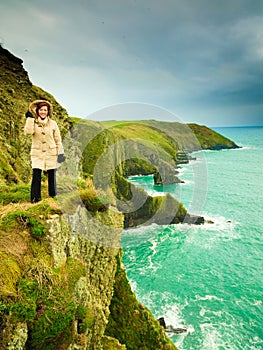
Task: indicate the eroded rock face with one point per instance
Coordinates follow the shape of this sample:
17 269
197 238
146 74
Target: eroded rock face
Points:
96 244
71 275
74 268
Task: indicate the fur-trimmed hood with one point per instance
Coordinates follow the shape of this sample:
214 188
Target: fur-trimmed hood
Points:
33 106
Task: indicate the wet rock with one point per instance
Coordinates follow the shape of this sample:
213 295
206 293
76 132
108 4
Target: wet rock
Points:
170 328
193 219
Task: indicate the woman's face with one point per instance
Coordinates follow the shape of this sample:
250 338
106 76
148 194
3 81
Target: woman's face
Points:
43 112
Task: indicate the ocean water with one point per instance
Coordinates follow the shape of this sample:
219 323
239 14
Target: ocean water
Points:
207 279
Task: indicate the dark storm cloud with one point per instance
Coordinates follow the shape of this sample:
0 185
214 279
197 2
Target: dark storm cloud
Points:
201 59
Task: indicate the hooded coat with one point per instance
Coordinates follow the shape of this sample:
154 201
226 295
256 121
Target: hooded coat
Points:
46 139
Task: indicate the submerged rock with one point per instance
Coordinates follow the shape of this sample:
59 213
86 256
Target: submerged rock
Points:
193 219
170 328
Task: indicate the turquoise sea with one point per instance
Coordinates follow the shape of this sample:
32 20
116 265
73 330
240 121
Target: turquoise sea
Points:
207 279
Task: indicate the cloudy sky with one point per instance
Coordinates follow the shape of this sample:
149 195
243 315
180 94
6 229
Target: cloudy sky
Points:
200 60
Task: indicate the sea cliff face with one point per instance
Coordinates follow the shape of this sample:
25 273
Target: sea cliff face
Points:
61 285
58 283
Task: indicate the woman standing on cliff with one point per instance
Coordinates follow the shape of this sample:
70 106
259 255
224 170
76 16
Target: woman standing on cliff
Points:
46 149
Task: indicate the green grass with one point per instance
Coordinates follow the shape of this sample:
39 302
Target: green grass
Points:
32 290
46 301
14 194
209 138
188 137
147 135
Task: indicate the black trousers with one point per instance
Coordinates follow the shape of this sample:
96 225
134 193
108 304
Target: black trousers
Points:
36 184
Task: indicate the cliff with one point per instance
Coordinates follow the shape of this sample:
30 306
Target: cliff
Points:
60 265
173 137
57 283
108 158
62 284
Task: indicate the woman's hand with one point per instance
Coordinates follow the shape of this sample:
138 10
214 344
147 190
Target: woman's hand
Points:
29 115
61 158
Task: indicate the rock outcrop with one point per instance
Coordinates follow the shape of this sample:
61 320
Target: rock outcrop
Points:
63 273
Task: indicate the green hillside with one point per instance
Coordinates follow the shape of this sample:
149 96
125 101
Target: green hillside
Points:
187 137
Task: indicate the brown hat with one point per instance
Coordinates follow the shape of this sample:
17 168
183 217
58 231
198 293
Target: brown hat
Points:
37 104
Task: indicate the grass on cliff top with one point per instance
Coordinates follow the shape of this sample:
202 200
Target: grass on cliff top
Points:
189 137
151 137
14 194
210 138
17 197
84 192
178 134
20 225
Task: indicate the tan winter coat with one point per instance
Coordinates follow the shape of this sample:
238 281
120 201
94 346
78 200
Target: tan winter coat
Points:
46 140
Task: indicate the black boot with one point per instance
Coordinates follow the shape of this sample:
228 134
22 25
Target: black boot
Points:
36 186
52 190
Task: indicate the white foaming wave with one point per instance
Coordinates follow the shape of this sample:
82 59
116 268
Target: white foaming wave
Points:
169 308
205 311
151 266
223 227
136 176
154 245
132 256
180 170
187 183
220 230
208 151
140 230
247 147
224 334
153 193
208 297
171 311
212 222
136 236
133 285
196 162
202 311
213 339
220 222
243 148
173 317
257 342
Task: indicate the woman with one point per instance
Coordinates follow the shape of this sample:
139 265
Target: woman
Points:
46 145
